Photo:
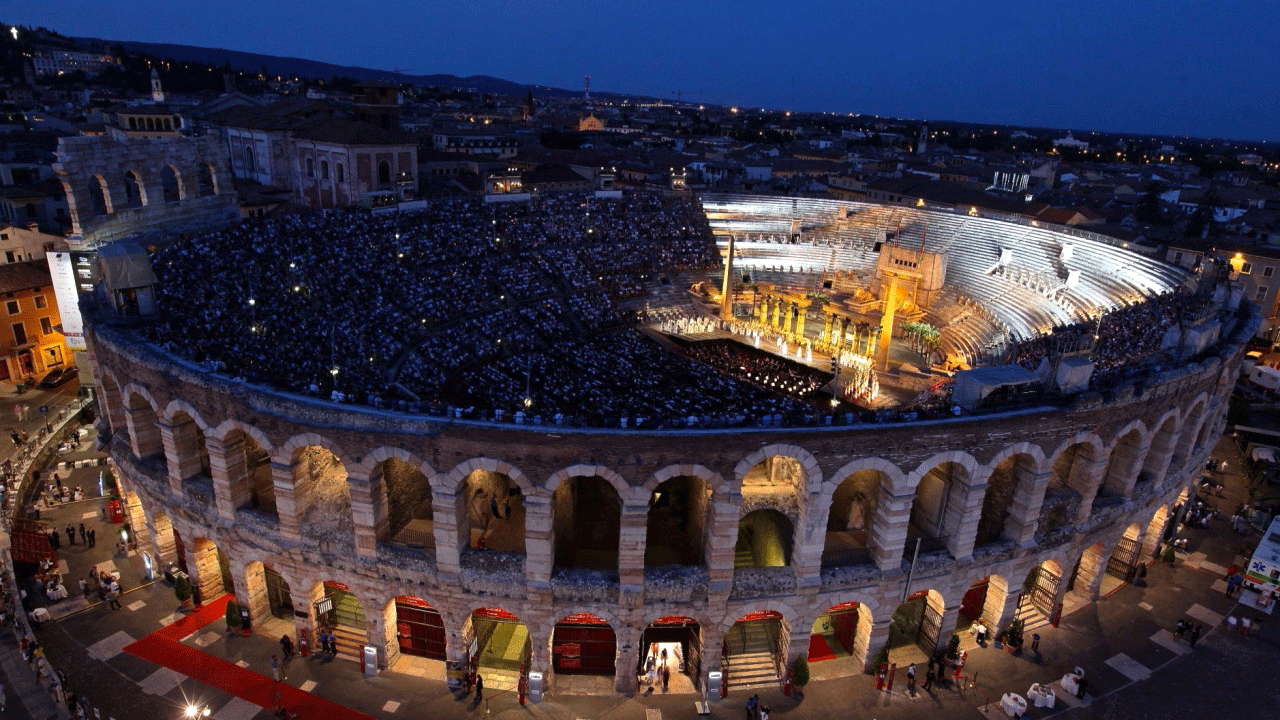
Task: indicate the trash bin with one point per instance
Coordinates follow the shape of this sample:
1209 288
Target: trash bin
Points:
535 687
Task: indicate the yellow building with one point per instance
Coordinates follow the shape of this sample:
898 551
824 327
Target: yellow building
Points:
29 341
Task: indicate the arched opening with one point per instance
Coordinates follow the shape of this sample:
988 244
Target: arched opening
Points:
250 161
584 644
678 523
918 622
136 531
587 522
144 428
937 509
841 634
212 571
99 197
191 462
1062 498
674 642
171 183
774 472
756 650
205 181
1122 565
419 632
406 516
322 496
1039 598
134 193
162 535
267 593
853 507
339 611
764 540
1157 458
491 512
1157 532
997 504
498 647
384 175
1122 469
249 473
324 169
311 167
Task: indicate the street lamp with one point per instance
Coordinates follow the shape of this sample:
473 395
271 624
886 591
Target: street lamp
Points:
194 711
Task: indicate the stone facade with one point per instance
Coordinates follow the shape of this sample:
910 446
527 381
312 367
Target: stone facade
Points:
1068 483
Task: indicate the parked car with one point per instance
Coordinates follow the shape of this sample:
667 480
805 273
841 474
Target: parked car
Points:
58 376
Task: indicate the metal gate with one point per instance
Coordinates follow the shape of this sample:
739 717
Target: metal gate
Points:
277 594
419 628
1124 558
930 629
1044 590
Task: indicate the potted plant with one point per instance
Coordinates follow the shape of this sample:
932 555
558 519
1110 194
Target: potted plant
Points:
800 673
233 617
1013 638
182 589
882 657
1169 557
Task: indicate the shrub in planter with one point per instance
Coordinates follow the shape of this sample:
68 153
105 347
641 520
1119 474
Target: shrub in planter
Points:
953 648
182 589
800 672
233 616
1013 637
881 657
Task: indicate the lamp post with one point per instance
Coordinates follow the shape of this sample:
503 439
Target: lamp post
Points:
195 711
334 373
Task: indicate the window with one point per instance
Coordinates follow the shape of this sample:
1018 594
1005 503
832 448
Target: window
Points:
1246 268
12 307
324 169
19 334
9 256
1268 271
41 303
311 167
1177 258
46 326
341 173
1261 293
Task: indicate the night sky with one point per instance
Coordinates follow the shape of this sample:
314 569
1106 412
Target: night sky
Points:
1174 67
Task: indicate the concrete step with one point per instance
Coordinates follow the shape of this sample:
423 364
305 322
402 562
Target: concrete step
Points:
350 642
495 679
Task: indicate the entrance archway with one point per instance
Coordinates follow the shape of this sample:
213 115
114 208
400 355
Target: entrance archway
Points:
339 611
679 513
212 573
840 634
918 621
973 605
681 638
1040 592
588 520
764 540
584 644
267 593
490 507
498 647
419 627
1126 556
755 650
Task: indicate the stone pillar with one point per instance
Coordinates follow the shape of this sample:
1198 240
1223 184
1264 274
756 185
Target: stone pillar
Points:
1086 478
1155 531
631 546
1000 611
181 444
230 476
889 529
449 524
726 290
1024 510
762 310
877 638
1093 565
537 542
800 321
376 628
144 433
886 322
287 505
826 329
947 627
722 538
362 513
627 658
1122 472
965 533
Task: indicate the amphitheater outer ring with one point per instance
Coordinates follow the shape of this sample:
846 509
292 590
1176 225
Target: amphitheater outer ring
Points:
148 401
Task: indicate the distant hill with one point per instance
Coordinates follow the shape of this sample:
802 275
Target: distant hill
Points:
300 67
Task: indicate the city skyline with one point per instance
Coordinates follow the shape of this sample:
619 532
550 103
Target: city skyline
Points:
1188 71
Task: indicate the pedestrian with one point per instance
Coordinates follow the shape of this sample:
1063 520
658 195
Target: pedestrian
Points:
666 677
1195 635
911 678
506 507
17 440
479 687
275 669
24 437
26 410
1035 643
84 587
286 646
333 644
71 534
493 506
55 539
93 537
83 536
928 678
113 598
1180 628
752 703
764 712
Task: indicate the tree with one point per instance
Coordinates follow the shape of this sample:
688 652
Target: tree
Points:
800 671
233 615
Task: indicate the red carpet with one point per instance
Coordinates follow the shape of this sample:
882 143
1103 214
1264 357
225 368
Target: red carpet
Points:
163 648
819 649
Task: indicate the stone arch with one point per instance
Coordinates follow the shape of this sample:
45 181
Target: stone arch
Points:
852 503
182 433
733 614
135 190
937 512
919 621
765 540
1073 484
1155 532
312 491
163 539
476 486
243 478
171 184
267 593
1090 568
206 180
1192 421
1124 458
586 517
99 197
143 422
250 160
400 488
680 517
1160 449
810 475
1010 485
843 629
211 570
111 401
384 175
957 457
416 627
226 427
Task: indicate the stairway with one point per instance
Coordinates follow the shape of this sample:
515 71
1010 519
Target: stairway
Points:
496 679
750 664
350 642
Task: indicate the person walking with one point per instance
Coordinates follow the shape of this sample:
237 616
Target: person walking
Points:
71 534
286 647
17 440
479 687
83 535
93 537
666 677
1195 635
275 669
113 598
928 678
911 678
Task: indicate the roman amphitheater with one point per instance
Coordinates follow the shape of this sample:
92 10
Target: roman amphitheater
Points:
1001 472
